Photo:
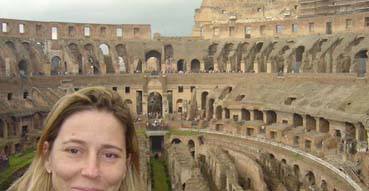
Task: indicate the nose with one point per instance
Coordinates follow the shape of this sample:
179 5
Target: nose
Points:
91 167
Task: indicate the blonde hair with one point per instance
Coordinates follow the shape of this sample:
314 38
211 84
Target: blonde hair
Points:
36 178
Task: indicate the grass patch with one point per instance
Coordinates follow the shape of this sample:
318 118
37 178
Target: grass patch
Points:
140 132
16 162
160 178
296 156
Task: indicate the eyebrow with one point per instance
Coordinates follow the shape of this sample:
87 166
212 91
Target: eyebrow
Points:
105 146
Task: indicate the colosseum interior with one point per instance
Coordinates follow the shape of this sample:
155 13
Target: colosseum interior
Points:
265 95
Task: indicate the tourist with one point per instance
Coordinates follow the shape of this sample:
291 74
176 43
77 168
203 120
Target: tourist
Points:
88 143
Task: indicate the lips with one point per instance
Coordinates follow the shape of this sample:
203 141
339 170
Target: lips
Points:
85 189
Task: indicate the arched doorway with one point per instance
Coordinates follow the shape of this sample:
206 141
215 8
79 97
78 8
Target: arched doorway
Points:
94 66
23 68
210 112
299 54
361 58
181 66
76 56
122 58
191 147
55 66
179 105
219 112
195 66
154 106
203 100
153 61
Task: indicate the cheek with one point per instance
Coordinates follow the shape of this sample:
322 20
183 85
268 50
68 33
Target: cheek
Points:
63 172
113 174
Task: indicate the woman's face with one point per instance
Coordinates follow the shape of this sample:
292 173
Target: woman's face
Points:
89 153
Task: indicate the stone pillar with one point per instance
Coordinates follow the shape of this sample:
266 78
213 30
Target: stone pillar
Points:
6 132
7 66
243 69
144 103
269 68
165 106
256 67
228 67
252 115
317 124
216 66
265 117
202 66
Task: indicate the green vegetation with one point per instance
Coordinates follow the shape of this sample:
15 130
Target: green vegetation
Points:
160 178
140 132
16 162
296 156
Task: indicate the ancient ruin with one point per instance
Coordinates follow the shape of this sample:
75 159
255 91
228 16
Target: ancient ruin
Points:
265 95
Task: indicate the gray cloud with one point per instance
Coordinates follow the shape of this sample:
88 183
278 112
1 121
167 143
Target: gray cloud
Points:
169 17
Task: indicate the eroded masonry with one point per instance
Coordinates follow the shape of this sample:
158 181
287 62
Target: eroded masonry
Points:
265 95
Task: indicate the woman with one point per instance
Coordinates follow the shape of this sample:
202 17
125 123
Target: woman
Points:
88 144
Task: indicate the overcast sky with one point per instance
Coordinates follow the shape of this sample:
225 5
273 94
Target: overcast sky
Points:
169 17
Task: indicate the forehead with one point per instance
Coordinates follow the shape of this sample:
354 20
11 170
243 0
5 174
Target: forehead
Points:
93 127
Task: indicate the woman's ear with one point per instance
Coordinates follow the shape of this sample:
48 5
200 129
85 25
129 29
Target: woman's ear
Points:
46 156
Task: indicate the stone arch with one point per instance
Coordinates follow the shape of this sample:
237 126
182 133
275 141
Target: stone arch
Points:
105 51
155 105
271 117
93 63
56 66
104 48
310 123
168 52
203 99
210 112
297 120
181 65
361 62
76 56
179 105
212 49
226 57
227 113
191 147
219 112
258 115
309 179
323 125
23 67
227 90
209 60
343 63
245 114
153 61
122 58
195 66
176 141
295 68
240 97
324 186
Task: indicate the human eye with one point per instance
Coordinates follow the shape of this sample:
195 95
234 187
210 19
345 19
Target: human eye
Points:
73 151
111 156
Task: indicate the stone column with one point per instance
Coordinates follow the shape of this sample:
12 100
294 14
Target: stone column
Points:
256 67
243 69
265 117
216 65
202 66
269 68
252 115
144 103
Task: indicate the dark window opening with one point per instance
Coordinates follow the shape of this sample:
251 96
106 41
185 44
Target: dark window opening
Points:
10 95
127 90
180 89
115 89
